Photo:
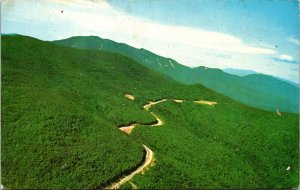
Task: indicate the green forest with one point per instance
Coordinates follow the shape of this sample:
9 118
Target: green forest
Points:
61 109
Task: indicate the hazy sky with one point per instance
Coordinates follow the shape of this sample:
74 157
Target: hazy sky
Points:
258 35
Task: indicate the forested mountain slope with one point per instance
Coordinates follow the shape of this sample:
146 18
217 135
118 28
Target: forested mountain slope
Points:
261 91
61 109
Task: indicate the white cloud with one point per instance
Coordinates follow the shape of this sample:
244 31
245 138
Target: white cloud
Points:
189 46
100 18
294 40
284 57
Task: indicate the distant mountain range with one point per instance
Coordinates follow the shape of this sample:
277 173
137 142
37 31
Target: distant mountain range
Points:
242 72
256 90
239 72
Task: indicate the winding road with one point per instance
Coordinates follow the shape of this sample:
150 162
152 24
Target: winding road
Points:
149 159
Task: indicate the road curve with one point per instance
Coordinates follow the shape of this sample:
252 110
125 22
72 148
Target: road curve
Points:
148 161
159 122
127 129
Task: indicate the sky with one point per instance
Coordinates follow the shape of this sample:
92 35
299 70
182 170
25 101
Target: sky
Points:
262 36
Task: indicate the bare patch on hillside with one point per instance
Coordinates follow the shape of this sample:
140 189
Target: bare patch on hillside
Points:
205 102
129 96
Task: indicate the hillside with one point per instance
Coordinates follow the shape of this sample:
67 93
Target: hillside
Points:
257 90
61 109
161 64
268 96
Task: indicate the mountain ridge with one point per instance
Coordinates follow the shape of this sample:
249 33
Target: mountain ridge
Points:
239 72
238 88
242 72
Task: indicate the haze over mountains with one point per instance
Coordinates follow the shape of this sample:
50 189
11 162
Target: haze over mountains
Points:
257 90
